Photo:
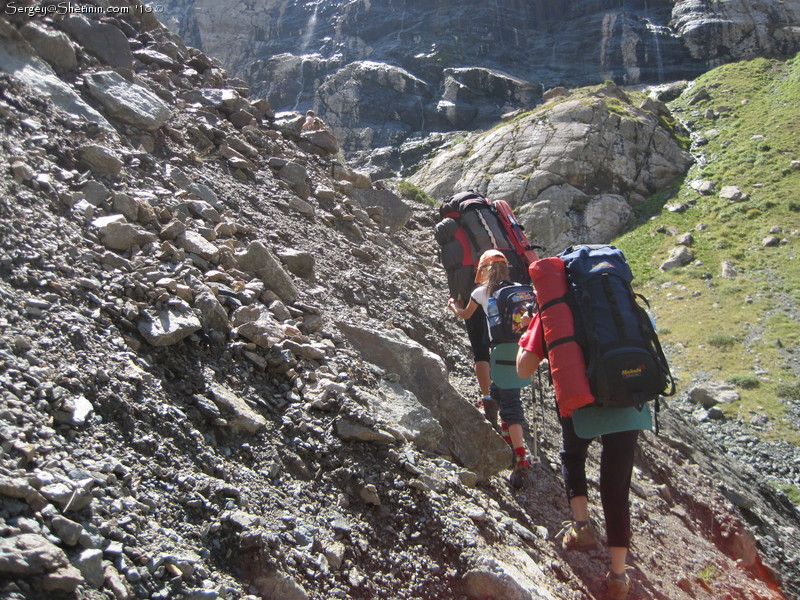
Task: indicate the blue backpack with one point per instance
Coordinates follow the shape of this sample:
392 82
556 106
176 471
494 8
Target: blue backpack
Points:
625 363
507 305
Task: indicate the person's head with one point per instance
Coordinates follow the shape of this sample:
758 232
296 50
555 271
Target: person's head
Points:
309 113
492 269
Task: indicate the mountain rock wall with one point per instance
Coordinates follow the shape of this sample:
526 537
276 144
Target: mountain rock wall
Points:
383 72
574 169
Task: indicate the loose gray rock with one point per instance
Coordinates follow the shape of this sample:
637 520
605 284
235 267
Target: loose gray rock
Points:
128 102
712 393
678 257
53 46
104 40
258 259
169 325
102 160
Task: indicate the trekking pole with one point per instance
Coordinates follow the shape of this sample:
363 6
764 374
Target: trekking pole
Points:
535 420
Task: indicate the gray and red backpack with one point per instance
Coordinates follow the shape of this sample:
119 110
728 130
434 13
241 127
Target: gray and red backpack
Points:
469 224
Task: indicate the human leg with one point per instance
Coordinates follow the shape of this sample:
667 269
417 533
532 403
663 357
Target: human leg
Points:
578 533
478 334
616 466
573 460
513 421
483 374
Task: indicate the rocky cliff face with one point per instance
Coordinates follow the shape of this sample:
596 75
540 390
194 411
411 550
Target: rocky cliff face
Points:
383 72
225 372
560 166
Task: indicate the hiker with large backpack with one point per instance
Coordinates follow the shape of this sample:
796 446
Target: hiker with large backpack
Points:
606 364
469 224
493 279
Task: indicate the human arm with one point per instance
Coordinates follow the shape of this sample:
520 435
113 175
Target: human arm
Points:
463 312
531 348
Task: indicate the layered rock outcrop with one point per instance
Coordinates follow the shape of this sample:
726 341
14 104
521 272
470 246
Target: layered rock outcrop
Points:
573 169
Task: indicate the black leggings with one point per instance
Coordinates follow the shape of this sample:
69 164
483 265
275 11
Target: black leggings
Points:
616 465
478 333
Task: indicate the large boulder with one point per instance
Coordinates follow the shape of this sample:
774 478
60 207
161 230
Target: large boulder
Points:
128 102
573 169
465 433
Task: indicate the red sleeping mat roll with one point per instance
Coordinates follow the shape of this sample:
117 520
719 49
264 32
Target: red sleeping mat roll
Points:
567 365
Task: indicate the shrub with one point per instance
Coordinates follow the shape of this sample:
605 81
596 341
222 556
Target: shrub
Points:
746 382
410 191
721 341
789 391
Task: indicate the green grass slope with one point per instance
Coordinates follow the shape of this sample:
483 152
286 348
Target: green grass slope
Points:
743 329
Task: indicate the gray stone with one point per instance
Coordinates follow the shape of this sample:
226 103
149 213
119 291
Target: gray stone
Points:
53 46
74 410
278 585
95 192
126 206
17 60
193 242
169 325
321 142
103 161
258 259
90 563
227 100
116 233
469 438
293 173
510 581
242 418
300 205
299 262
704 186
396 213
728 269
356 432
262 330
732 193
29 554
213 315
711 393
68 531
127 102
70 496
678 257
406 413
104 40
14 487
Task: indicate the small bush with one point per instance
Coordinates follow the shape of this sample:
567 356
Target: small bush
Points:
789 391
721 341
746 382
410 191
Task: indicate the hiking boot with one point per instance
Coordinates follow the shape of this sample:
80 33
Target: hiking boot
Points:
618 587
519 474
578 538
489 406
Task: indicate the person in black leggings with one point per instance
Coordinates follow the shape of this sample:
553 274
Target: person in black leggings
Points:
616 466
478 334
